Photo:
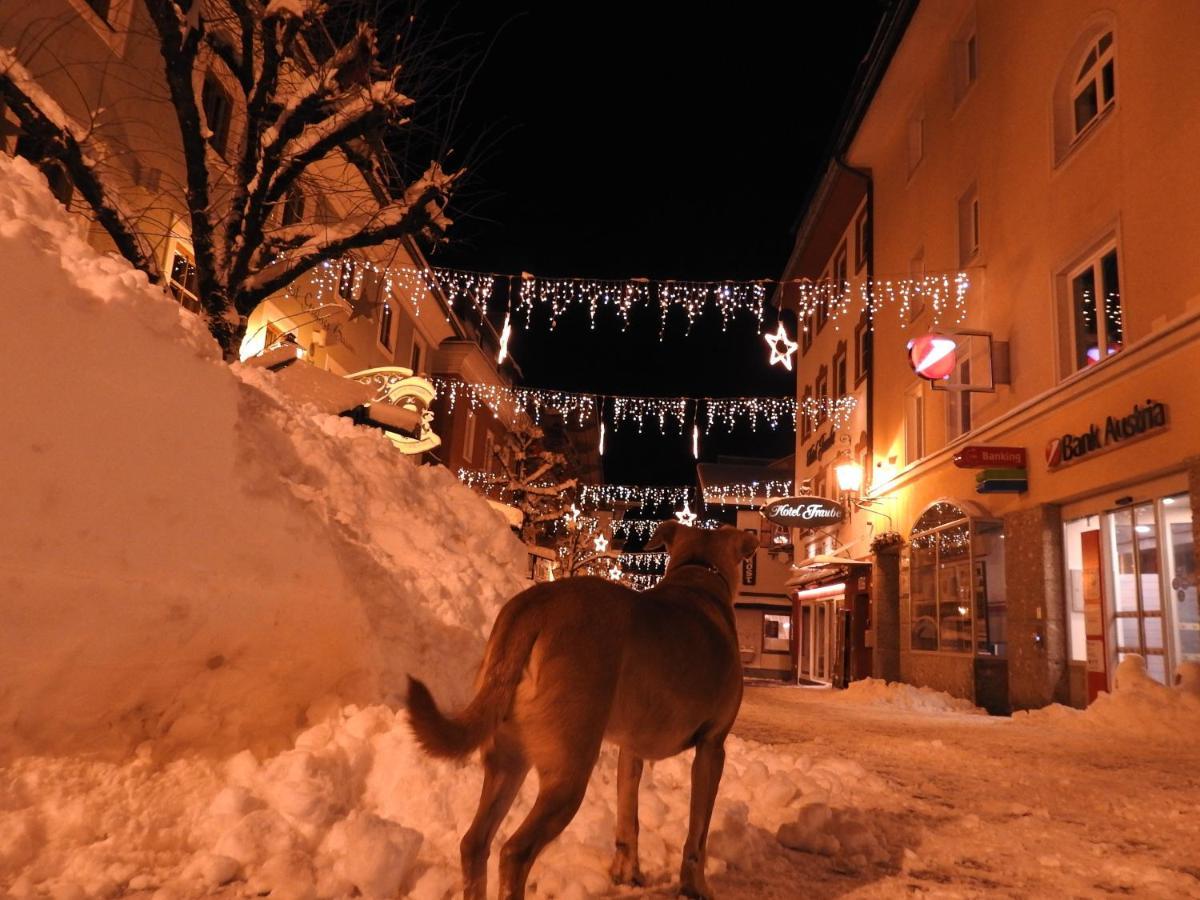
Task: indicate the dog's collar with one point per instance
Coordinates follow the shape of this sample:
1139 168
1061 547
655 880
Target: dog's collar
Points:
707 567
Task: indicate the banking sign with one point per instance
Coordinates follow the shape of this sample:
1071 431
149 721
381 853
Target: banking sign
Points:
1146 419
804 512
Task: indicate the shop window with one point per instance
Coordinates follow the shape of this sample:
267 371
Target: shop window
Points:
218 112
957 602
1096 320
777 633
182 281
385 325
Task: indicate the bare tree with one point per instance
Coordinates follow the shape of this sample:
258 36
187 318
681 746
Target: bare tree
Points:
306 104
531 478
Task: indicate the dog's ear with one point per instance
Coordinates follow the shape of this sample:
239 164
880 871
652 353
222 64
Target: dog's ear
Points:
748 544
663 535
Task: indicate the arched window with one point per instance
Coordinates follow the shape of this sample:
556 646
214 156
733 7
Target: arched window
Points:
957 598
1086 88
1095 87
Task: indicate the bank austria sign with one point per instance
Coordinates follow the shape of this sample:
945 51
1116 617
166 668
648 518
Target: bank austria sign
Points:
804 512
1145 420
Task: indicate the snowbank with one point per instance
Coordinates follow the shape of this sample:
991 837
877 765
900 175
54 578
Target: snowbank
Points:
877 692
355 807
1139 705
185 555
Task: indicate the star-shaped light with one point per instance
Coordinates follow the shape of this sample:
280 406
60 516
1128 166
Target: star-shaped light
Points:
777 340
601 543
505 334
685 515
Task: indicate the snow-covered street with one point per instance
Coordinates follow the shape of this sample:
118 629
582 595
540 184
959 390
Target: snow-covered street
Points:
1046 807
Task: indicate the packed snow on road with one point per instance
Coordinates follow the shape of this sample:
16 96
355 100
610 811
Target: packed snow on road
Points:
212 593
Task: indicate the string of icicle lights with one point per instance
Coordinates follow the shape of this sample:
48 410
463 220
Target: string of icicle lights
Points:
837 410
532 297
645 561
640 581
746 492
643 528
589 495
670 414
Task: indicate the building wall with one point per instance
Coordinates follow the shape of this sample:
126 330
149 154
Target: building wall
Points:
1043 206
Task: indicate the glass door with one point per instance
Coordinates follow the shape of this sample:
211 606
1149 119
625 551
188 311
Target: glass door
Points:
1133 544
1180 567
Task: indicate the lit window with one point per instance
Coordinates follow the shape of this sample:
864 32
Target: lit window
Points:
914 424
1097 325
1095 85
182 282
777 633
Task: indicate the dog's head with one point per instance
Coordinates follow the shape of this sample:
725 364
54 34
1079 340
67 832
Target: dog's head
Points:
722 548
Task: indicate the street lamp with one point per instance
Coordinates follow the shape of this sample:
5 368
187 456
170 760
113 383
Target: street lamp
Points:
849 476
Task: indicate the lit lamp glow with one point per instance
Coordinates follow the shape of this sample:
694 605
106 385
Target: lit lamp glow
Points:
849 476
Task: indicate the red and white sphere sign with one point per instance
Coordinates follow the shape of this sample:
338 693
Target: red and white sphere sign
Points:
933 356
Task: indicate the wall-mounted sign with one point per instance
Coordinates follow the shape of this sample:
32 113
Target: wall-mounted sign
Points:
1002 481
750 563
804 512
818 448
933 356
1145 420
979 456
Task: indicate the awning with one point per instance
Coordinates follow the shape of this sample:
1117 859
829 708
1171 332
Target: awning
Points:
823 567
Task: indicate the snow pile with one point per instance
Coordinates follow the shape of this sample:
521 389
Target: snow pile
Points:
186 556
877 692
355 807
1139 705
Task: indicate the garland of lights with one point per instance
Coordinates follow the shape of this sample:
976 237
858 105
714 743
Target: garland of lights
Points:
944 293
639 581
647 495
726 412
837 409
644 528
747 491
644 561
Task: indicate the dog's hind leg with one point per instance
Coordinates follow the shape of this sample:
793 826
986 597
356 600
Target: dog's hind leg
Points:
706 776
625 861
559 796
504 771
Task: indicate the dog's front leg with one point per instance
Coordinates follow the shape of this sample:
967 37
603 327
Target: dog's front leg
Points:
625 861
706 775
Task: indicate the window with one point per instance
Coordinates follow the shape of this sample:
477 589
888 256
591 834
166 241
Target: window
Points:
806 331
1095 86
218 110
182 282
1097 324
968 226
469 437
806 423
822 396
862 347
914 424
840 386
489 452
841 284
293 207
958 403
966 62
862 237
824 304
916 140
385 325
777 633
956 582
916 269
416 355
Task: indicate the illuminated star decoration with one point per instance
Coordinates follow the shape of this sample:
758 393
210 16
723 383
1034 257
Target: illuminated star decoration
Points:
601 543
780 338
685 515
505 334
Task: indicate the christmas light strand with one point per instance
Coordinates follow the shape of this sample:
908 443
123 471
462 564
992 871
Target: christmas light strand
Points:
639 581
663 409
772 411
645 561
647 495
945 293
644 528
747 492
837 409
501 400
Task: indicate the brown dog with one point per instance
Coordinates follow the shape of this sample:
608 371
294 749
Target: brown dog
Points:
572 662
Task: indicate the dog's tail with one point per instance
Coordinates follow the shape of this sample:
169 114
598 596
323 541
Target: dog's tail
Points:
508 650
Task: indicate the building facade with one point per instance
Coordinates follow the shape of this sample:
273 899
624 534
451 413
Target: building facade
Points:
1046 152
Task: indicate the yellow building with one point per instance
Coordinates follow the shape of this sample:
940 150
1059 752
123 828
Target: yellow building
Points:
1047 151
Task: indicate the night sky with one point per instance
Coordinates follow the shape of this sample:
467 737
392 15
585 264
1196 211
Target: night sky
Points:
616 141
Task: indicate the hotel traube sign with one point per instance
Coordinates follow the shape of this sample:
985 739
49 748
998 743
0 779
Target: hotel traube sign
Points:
804 512
1146 419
